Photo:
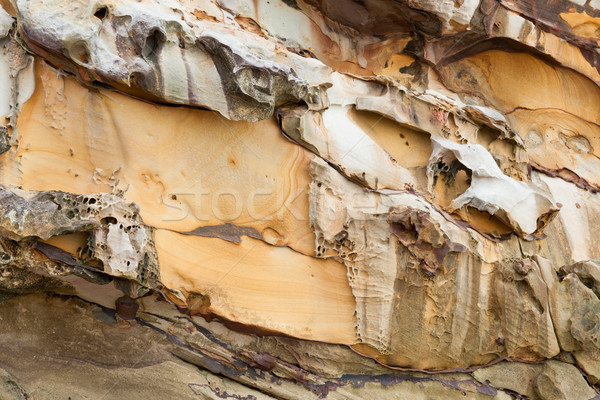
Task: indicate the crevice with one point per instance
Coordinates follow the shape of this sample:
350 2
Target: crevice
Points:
568 176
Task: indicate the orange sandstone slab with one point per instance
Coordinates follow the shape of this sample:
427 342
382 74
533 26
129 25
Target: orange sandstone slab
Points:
255 284
185 168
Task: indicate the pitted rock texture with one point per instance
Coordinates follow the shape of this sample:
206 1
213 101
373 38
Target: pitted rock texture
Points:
300 199
118 239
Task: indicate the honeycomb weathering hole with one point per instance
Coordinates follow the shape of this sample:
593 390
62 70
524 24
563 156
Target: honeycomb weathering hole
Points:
101 13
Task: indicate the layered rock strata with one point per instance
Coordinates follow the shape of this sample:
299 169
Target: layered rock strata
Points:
299 199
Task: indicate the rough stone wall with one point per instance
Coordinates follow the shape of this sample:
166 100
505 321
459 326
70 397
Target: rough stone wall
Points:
296 199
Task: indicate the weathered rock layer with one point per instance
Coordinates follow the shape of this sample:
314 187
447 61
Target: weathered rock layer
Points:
300 199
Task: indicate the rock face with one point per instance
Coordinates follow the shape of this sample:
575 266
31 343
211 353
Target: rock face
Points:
300 199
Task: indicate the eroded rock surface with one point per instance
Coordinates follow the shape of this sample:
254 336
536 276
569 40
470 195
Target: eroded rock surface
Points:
300 199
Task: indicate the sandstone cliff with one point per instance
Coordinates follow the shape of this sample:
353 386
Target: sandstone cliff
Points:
297 199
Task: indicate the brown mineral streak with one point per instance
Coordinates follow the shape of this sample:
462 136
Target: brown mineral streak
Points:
229 232
303 199
569 176
423 238
57 254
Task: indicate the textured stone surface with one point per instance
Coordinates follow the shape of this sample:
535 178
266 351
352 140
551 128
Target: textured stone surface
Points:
299 199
